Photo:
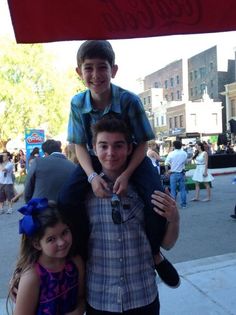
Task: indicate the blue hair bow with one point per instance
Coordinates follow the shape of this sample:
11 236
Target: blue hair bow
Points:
27 225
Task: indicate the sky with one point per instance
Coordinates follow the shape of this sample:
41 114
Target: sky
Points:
139 57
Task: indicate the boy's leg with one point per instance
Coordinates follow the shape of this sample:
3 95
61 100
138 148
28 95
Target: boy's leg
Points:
147 179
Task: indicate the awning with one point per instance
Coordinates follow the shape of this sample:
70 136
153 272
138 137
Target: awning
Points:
37 21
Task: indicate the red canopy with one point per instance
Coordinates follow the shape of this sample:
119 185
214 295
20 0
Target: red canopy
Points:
37 21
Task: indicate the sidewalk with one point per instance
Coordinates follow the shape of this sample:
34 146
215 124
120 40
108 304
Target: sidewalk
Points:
208 287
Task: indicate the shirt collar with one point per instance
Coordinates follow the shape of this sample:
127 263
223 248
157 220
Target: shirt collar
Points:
113 107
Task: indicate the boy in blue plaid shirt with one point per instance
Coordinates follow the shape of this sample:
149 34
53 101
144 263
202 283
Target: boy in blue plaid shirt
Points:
96 67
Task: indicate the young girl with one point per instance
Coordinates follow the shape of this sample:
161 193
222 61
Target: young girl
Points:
49 280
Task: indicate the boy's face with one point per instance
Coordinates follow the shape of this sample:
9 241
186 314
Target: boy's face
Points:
97 74
112 151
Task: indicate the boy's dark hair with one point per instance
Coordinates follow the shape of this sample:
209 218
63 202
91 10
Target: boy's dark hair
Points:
109 123
51 146
177 144
96 49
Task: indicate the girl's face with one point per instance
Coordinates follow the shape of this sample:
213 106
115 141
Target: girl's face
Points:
56 242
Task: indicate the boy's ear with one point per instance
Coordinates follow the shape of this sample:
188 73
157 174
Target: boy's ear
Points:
94 149
114 71
78 70
130 148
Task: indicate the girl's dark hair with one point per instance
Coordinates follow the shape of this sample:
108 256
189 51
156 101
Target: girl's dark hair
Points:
200 144
28 253
96 49
109 123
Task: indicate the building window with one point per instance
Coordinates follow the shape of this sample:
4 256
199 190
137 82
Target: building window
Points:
171 82
212 83
191 91
166 84
215 118
149 99
170 123
181 121
172 96
195 74
166 97
191 76
233 108
195 90
211 66
193 120
156 84
144 101
176 121
178 95
162 120
177 79
212 96
202 72
202 88
157 121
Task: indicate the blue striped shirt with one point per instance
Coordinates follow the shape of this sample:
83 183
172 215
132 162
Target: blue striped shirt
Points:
120 269
124 104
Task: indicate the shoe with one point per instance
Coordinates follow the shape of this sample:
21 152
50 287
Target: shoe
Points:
1 211
233 216
9 211
168 273
206 200
183 207
194 199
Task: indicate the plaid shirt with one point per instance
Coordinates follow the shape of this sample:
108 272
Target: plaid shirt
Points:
124 105
120 269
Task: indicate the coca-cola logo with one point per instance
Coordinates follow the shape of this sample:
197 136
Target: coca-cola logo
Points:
34 138
148 14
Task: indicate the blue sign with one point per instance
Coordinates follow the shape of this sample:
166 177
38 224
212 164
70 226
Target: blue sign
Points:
34 138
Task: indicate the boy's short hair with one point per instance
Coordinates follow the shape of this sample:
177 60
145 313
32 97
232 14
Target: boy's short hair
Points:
111 124
96 49
51 146
177 144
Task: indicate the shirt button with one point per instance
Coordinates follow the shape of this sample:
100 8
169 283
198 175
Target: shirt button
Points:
121 259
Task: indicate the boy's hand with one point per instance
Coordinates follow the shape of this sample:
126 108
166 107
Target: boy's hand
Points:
100 187
165 206
121 185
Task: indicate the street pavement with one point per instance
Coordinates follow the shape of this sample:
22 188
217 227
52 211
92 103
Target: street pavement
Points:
205 254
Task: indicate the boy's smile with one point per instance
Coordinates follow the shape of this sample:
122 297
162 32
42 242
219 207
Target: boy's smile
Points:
97 74
112 151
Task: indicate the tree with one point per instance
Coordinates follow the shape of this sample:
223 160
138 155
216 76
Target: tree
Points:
33 93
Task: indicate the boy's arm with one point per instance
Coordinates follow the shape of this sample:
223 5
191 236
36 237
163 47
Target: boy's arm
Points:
137 157
99 186
166 206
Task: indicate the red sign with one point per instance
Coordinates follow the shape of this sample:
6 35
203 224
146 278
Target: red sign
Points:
53 20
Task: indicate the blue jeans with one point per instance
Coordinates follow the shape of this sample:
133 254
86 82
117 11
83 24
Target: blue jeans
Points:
178 179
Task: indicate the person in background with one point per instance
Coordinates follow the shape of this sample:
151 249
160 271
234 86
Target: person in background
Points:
153 154
6 182
201 173
34 154
47 174
22 162
175 166
48 278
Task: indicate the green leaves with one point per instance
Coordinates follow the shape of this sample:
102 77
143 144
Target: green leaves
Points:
33 94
